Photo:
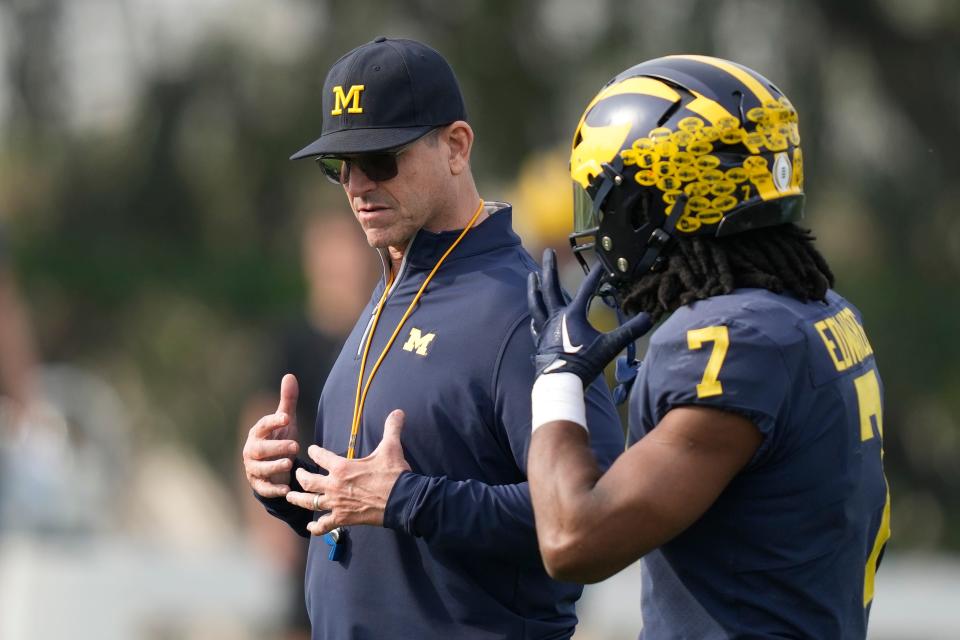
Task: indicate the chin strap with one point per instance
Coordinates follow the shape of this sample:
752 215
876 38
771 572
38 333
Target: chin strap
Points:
661 236
628 365
627 368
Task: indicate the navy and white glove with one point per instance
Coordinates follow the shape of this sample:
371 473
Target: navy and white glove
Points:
566 341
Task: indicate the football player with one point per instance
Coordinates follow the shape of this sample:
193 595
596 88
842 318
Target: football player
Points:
752 486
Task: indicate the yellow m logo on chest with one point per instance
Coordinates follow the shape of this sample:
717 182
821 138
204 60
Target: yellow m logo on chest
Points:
350 99
418 342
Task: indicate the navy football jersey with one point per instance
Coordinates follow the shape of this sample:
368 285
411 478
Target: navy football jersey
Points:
790 547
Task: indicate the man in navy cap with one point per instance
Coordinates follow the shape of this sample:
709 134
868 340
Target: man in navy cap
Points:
424 530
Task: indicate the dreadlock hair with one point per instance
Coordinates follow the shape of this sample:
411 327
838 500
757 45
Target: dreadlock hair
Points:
780 258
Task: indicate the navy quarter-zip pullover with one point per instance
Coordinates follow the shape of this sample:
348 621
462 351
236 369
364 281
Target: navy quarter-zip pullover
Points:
457 557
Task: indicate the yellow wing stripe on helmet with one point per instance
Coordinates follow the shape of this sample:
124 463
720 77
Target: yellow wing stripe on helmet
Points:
598 144
602 143
706 108
763 95
639 84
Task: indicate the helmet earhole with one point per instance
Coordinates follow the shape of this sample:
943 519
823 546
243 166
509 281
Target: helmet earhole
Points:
640 212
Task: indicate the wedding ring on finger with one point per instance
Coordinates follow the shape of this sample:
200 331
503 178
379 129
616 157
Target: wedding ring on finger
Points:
316 502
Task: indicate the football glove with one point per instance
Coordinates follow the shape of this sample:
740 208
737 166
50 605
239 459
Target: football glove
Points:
566 341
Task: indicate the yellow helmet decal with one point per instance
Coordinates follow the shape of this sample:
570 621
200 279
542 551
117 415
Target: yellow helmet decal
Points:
597 144
593 145
748 80
712 111
684 161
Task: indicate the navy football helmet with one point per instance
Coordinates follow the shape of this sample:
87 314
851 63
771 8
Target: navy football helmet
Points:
681 146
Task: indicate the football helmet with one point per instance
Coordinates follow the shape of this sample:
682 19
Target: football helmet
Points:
677 146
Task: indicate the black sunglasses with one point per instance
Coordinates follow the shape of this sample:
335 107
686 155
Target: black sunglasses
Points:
379 167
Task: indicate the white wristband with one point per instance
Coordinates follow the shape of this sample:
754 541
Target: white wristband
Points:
558 396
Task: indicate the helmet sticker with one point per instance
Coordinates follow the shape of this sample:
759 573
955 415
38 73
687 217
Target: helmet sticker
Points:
781 171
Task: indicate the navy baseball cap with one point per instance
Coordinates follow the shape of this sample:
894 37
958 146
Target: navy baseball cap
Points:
383 95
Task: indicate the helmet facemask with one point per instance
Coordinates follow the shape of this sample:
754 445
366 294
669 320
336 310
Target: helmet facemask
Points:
624 214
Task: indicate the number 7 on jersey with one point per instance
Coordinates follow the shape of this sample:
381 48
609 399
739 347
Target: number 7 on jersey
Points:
720 337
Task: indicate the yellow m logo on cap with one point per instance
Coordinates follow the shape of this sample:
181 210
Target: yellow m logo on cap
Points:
351 98
418 342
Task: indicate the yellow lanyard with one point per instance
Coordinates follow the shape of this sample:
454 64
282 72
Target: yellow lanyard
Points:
360 398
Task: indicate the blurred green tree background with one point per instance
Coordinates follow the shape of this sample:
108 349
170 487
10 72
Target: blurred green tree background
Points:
152 216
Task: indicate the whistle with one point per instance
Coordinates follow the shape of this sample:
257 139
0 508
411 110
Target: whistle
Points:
337 540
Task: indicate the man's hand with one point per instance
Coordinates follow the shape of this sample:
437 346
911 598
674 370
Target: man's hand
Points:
566 341
272 445
353 491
